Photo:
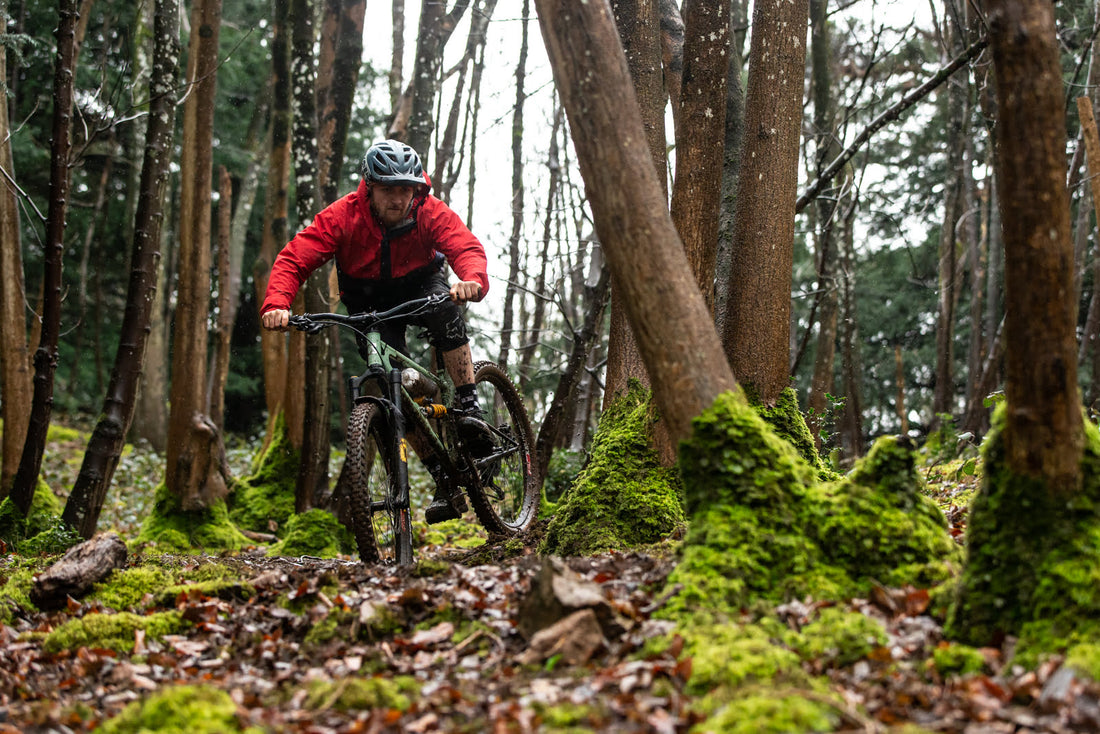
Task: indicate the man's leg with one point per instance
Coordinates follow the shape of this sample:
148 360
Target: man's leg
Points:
460 365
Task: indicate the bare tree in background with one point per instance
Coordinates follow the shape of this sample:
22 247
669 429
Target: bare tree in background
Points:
105 446
45 356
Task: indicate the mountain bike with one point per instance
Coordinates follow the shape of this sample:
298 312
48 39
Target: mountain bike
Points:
396 396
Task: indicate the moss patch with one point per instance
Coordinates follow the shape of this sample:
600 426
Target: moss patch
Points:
787 421
313 533
765 713
179 710
624 497
363 694
172 528
44 517
264 500
112 631
763 529
839 637
1033 557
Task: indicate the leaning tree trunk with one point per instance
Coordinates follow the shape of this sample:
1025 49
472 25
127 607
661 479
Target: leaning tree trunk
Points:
45 357
675 334
105 447
757 323
15 361
192 473
436 27
1043 432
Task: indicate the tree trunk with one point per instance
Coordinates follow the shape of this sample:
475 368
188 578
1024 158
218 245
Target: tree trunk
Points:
223 327
511 287
700 136
276 209
336 113
1043 431
193 472
641 25
436 27
45 357
673 327
757 324
105 446
16 386
851 365
397 15
313 468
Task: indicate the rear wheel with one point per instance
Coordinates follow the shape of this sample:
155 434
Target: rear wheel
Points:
385 534
507 497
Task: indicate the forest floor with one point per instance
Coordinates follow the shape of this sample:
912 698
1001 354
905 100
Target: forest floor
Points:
330 645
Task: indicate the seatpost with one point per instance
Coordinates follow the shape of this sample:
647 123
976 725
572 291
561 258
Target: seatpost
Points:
401 470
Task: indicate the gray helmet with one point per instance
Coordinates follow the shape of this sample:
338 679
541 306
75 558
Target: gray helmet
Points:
392 162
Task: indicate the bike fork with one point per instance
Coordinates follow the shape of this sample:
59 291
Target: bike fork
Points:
401 464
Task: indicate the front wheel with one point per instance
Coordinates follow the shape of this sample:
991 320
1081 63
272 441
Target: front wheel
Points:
507 497
386 534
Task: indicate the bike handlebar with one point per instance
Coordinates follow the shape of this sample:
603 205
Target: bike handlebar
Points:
311 323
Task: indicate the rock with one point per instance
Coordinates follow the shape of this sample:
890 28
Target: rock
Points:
82 567
575 638
558 591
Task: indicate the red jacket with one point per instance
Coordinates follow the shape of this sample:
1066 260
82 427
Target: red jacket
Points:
348 231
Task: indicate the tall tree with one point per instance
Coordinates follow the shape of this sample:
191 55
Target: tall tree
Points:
700 137
15 360
45 356
757 324
639 23
335 105
674 330
105 446
436 26
1043 432
192 473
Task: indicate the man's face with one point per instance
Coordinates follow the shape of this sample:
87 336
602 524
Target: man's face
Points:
390 202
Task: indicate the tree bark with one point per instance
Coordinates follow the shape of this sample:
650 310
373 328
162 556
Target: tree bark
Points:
757 323
436 27
16 385
191 437
670 321
45 357
700 137
336 113
105 446
1043 431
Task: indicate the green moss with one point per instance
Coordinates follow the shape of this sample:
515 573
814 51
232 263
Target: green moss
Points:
624 497
328 628
564 716
427 567
207 529
15 593
957 659
44 517
787 421
312 533
765 713
183 709
763 529
112 631
125 589
363 694
839 637
1033 557
733 655
264 500
1085 659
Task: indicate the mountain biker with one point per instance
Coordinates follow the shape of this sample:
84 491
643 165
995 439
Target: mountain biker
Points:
390 239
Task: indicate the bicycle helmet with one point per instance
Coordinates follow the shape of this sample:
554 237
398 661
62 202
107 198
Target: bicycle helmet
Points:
393 162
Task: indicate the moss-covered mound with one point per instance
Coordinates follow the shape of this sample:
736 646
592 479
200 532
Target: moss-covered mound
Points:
313 533
624 497
264 500
787 420
762 528
179 710
171 528
1033 557
112 631
42 531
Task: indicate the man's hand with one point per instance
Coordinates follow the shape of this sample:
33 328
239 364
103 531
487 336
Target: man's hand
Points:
277 319
466 290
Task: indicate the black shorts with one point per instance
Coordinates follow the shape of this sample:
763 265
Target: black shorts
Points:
445 324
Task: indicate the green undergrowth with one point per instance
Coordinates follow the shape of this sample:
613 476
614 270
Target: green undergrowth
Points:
264 500
313 533
1033 558
42 531
623 497
184 709
787 421
112 631
151 585
363 694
